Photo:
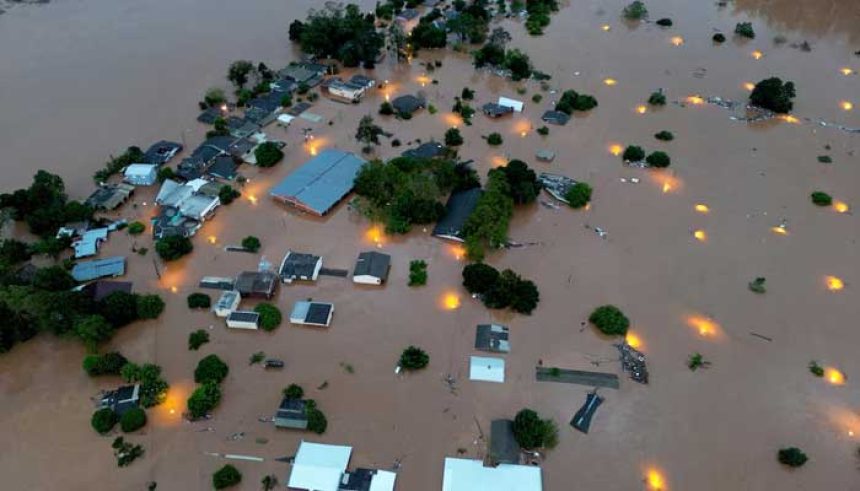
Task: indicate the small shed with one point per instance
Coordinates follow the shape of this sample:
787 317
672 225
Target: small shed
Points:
371 268
243 319
141 174
257 284
299 266
227 303
122 399
292 413
492 338
487 369
545 155
310 313
514 104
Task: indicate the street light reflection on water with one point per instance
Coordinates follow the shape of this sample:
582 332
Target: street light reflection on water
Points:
451 301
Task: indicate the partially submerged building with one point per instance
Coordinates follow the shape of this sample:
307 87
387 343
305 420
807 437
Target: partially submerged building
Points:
223 167
292 413
371 268
555 117
141 174
110 267
100 289
457 210
309 313
227 303
343 91
426 150
493 110
408 104
504 448
183 208
321 183
515 105
556 185
161 152
257 284
492 338
472 475
322 467
487 369
122 399
299 266
243 319
310 74
110 196
88 243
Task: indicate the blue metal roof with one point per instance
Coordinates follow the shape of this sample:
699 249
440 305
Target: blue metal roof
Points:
99 268
321 182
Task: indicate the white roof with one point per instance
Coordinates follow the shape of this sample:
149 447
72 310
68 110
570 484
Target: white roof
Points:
285 118
471 475
516 105
140 169
383 481
319 467
487 369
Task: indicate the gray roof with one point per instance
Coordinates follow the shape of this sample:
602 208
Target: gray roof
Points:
223 167
407 103
161 152
298 265
556 117
110 196
372 263
457 211
426 150
122 399
503 446
243 316
495 110
493 338
319 184
99 268
292 413
256 283
312 312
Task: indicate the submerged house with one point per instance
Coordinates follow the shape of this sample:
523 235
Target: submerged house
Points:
110 196
371 268
310 74
345 91
122 399
487 369
161 152
308 313
256 284
322 467
223 167
141 174
504 448
555 117
292 413
408 104
494 110
556 185
100 289
426 150
460 205
320 183
492 338
243 319
299 266
472 475
514 104
227 303
183 208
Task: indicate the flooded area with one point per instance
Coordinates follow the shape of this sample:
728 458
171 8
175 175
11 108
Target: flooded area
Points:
83 79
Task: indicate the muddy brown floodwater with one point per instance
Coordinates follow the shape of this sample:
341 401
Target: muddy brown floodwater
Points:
84 78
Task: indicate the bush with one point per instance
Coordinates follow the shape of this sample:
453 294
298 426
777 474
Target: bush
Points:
270 316
745 29
665 136
791 456
316 419
635 11
816 369
93 330
658 159
494 139
199 301
103 420
821 198
467 94
268 154
136 228
453 138
226 477
719 38
227 194
578 195
294 392
664 22
479 278
214 96
173 247
657 98
251 243
132 420
119 308
537 98
149 306
197 339
204 399
211 369
825 159
286 100
543 131
106 364
53 278
532 432
571 101
633 154
417 273
523 185
610 320
414 358
774 95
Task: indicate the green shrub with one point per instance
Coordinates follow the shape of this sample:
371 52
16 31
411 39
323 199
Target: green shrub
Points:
132 420
136 228
665 136
227 194
635 11
719 38
657 98
103 420
633 154
414 358
226 477
537 98
386 109
107 364
530 431
825 159
316 419
294 392
173 247
286 100
696 361
821 198
610 320
199 301
197 339
211 369
578 195
432 109
658 159
270 316
125 452
417 273
745 29
816 369
543 131
774 95
204 399
494 139
792 457
757 285
268 154
467 94
149 306
251 243
571 101
453 138
664 22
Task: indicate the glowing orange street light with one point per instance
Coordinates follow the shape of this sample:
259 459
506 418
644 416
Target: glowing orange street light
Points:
677 40
252 199
656 481
834 376
703 325
834 283
840 206
749 86
788 118
696 100
213 239
700 235
846 105
641 109
757 54
702 208
605 27
616 149
609 81
846 71
451 301
173 289
780 230
633 340
667 186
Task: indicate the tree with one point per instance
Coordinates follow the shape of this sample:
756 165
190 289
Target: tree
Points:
426 35
103 420
251 243
719 38
821 198
153 388
635 11
494 139
453 138
610 320
173 247
499 37
119 308
316 419
204 399
478 278
107 364
413 358
53 278
239 71
199 300
214 96
489 54
270 316
227 194
658 159
132 419
269 482
525 296
665 136
14 251
297 27
93 330
530 431
745 29
386 109
664 22
633 154
791 456
774 95
197 339
211 369
149 306
137 228
268 154
294 392
657 98
417 272
571 101
519 64
578 195
367 131
344 34
523 185
226 477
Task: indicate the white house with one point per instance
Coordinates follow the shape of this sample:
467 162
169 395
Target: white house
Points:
228 303
514 104
487 369
141 174
243 319
471 475
319 467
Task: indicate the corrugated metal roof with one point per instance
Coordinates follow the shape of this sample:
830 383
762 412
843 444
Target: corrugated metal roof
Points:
319 466
321 182
471 475
99 268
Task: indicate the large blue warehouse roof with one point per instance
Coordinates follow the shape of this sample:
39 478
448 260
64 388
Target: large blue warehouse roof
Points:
319 184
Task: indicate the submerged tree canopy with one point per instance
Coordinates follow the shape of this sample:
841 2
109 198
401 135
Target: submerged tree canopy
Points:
344 34
773 94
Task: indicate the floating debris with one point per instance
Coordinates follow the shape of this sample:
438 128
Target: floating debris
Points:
633 362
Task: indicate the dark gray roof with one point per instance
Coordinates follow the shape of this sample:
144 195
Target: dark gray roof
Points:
493 338
457 211
204 153
503 446
582 419
223 167
191 168
372 263
319 184
495 110
102 288
555 117
357 480
121 399
299 108
361 80
270 102
256 283
110 196
292 413
241 147
220 142
209 115
298 265
170 221
161 152
426 150
407 103
318 313
243 316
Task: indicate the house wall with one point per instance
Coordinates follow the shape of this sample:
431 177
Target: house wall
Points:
367 280
241 325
